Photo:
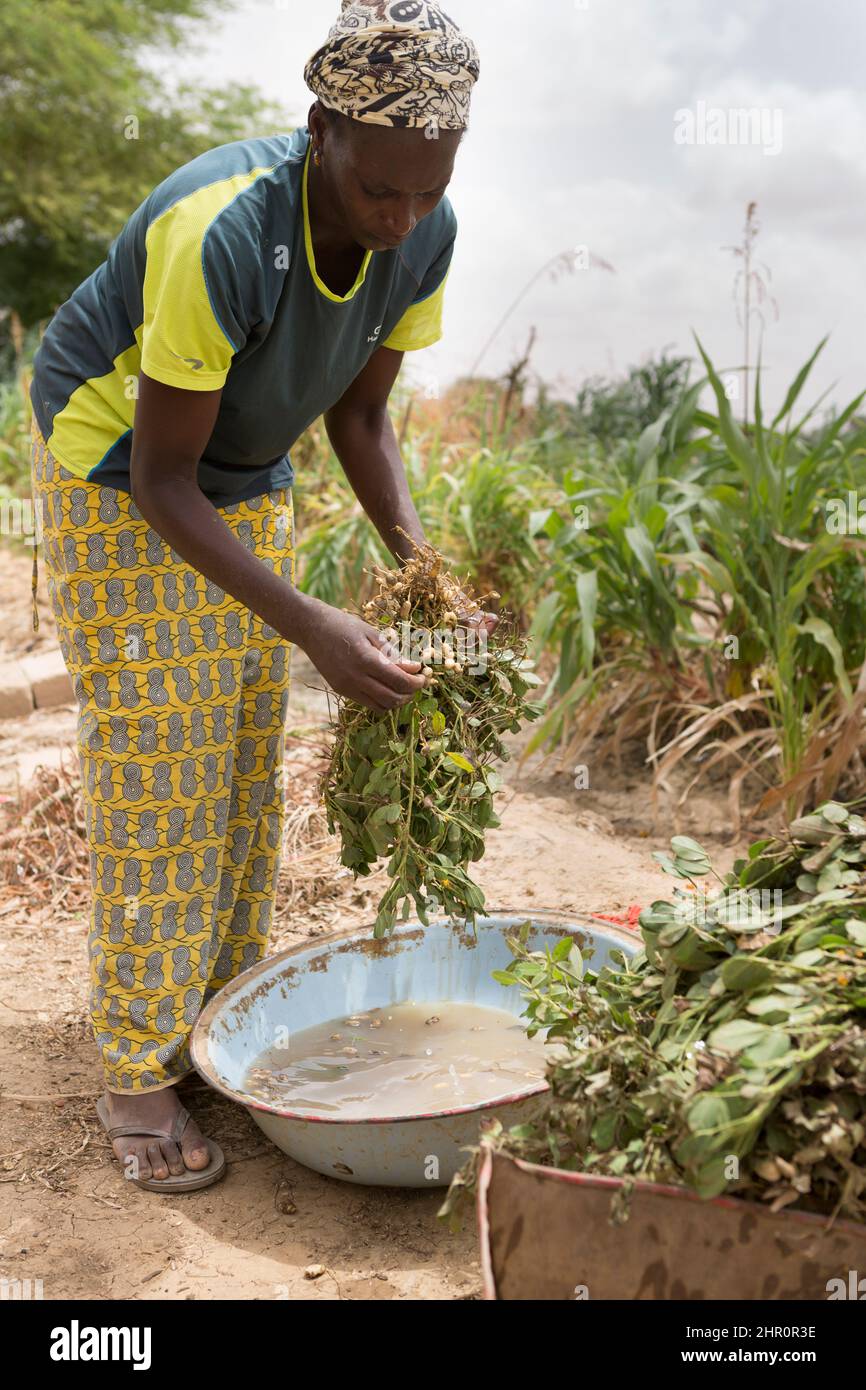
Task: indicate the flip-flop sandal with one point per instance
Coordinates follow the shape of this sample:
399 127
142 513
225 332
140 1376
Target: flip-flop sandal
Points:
191 1180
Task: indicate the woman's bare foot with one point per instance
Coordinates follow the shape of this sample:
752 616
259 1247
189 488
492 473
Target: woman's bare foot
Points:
155 1158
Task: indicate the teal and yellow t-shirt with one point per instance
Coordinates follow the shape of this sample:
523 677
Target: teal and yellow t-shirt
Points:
212 283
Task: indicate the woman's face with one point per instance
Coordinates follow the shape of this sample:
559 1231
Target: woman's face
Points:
381 180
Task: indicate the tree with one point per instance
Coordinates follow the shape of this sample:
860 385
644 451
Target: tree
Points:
88 128
611 410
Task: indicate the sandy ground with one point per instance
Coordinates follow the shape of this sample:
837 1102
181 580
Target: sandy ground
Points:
67 1217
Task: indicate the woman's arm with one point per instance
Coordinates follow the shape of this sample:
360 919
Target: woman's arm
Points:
363 438
361 432
172 428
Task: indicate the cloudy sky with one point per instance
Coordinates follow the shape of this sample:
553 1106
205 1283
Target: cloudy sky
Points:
578 140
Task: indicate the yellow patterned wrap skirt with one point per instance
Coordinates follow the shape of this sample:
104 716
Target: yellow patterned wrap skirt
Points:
182 696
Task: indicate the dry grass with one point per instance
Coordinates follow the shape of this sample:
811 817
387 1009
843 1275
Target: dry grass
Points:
43 852
310 871
689 733
44 857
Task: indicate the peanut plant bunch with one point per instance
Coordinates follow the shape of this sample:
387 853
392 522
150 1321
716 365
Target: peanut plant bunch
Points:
416 786
730 1053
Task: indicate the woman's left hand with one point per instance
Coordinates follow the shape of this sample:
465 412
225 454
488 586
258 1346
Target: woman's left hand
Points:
480 619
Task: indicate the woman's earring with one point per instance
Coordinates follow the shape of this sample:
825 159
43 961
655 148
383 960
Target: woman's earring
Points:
317 157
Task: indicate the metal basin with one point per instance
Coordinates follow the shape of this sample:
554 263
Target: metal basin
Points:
350 973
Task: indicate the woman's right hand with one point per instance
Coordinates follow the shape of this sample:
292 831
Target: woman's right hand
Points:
353 658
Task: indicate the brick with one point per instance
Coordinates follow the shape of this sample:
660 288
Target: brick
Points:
16 699
49 679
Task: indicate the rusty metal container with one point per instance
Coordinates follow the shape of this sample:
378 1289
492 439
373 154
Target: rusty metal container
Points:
546 1234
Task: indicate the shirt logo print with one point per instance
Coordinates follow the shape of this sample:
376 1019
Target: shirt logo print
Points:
194 362
374 335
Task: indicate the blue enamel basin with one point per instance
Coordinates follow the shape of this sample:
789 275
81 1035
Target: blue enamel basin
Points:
349 973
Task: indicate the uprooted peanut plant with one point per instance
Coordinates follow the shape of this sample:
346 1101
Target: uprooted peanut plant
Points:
416 786
729 1054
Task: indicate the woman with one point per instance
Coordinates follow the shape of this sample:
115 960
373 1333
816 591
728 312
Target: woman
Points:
265 283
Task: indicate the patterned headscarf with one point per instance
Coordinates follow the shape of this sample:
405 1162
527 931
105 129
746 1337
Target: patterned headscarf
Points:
396 63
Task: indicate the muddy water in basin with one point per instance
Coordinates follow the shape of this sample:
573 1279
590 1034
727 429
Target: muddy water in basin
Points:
406 1059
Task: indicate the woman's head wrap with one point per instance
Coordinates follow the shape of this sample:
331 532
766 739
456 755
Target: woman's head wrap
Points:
396 63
